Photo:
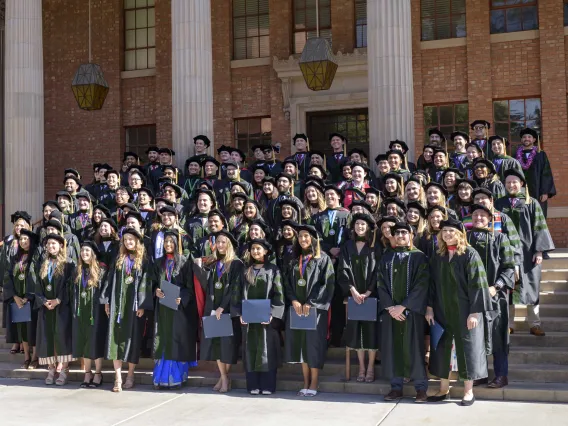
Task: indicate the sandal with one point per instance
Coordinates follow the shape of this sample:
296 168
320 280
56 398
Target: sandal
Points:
14 351
218 385
26 364
117 385
62 378
361 376
226 389
370 377
302 392
311 393
86 383
50 379
94 384
34 364
129 383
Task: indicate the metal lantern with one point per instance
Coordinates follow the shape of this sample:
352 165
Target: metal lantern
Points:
317 64
90 87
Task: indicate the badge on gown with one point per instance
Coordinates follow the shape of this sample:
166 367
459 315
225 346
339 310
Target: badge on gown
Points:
48 287
129 280
21 277
84 295
332 232
301 282
218 285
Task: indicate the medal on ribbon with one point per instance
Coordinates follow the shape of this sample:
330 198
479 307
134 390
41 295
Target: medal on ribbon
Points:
220 269
302 269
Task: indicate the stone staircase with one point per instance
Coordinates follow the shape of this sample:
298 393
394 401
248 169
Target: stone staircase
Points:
538 366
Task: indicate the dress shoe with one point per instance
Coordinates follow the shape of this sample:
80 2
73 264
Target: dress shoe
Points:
498 382
511 330
537 331
439 398
393 395
468 403
421 397
480 382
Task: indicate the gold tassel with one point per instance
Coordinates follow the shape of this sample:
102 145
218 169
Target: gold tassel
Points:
318 249
308 144
324 165
179 244
538 143
374 238
527 196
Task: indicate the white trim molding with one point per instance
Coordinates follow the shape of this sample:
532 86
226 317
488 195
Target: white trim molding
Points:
443 44
515 36
150 72
557 212
245 63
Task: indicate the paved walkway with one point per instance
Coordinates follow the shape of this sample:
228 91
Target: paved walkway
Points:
41 405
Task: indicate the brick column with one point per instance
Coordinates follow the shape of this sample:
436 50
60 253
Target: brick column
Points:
478 42
391 94
192 75
553 92
343 25
24 108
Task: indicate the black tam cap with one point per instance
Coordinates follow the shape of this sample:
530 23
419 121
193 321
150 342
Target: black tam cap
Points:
452 223
399 142
475 207
204 138
517 173
482 122
20 214
528 131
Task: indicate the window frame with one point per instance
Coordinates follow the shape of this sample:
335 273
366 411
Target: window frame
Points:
515 143
251 141
464 127
306 30
566 13
147 28
362 26
436 16
247 37
513 6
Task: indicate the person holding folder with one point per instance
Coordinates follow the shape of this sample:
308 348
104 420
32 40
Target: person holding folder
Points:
175 330
403 279
51 282
19 292
309 283
220 272
356 276
459 297
127 293
90 323
261 344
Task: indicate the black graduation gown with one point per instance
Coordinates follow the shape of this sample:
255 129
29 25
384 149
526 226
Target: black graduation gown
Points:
458 288
196 227
273 168
540 179
497 256
54 327
186 243
124 338
303 160
8 250
175 331
428 246
224 349
358 270
90 322
436 174
503 163
20 283
535 236
333 162
458 160
79 224
309 346
261 343
333 236
403 279
421 164
495 186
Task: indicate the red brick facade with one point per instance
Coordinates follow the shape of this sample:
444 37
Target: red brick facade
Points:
477 70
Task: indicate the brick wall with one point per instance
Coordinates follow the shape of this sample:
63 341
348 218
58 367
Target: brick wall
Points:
559 231
444 75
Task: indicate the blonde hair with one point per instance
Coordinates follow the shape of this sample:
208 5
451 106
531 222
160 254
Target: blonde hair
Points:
26 226
460 246
230 255
94 272
306 211
429 231
139 254
60 261
421 195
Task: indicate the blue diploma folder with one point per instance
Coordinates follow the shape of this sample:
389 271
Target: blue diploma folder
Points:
23 314
366 311
171 293
436 332
300 322
213 327
256 311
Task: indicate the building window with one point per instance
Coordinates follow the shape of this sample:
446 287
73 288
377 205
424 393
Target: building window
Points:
139 34
508 16
139 138
353 124
361 23
566 13
442 19
252 131
448 118
511 116
250 29
305 22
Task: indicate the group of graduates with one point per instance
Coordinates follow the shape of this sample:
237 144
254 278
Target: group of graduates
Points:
452 242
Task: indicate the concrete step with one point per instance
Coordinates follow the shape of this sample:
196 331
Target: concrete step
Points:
555 274
552 339
549 310
536 373
525 356
553 297
516 391
553 284
548 323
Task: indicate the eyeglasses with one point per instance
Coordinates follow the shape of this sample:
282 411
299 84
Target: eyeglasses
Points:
478 127
402 233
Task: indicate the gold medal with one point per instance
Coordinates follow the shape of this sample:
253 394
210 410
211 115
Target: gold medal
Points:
218 285
21 277
129 280
301 282
48 287
332 232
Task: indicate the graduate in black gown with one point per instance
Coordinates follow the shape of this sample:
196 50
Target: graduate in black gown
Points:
127 294
175 330
459 298
52 281
19 291
498 259
501 160
308 282
402 281
536 168
90 322
356 277
261 342
536 240
218 276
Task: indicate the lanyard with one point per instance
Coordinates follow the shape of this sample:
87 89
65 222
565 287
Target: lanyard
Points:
220 268
331 214
169 269
303 264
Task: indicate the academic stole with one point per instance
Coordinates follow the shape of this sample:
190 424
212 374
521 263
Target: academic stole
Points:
302 265
126 279
21 267
83 294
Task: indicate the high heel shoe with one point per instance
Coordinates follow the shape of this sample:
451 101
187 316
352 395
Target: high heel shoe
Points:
96 385
50 379
117 385
86 383
62 379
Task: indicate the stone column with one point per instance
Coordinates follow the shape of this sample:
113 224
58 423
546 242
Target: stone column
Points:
24 103
391 94
192 75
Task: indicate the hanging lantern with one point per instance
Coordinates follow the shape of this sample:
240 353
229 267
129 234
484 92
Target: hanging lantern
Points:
318 64
90 87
